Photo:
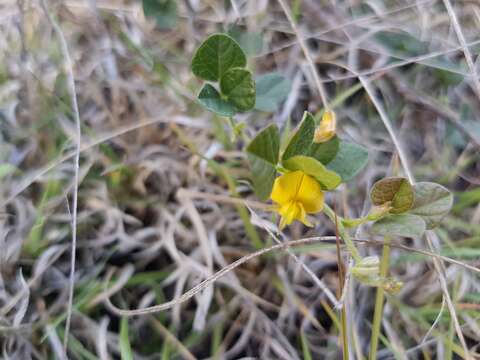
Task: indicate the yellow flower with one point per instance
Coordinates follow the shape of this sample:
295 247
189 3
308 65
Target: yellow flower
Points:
297 194
326 130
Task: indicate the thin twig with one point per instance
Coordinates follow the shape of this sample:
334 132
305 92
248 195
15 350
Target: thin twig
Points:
78 133
306 51
463 43
192 194
383 115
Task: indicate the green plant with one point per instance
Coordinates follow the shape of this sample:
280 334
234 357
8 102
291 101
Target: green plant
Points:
231 87
314 161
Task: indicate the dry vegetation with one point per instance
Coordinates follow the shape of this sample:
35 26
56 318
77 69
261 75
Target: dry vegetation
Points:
144 138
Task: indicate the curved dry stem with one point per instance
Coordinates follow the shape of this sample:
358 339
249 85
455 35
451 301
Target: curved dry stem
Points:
78 140
318 82
283 246
463 43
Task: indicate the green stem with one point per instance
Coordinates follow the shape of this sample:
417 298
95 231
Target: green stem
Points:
343 233
378 312
349 223
346 355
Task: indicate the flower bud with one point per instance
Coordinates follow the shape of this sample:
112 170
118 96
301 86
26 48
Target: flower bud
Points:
367 270
326 130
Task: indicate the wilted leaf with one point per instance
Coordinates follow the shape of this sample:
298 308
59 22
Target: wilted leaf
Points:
300 143
327 179
271 90
215 56
432 202
238 85
211 100
349 160
396 190
406 225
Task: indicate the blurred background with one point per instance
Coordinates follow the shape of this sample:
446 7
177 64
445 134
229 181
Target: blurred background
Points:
118 74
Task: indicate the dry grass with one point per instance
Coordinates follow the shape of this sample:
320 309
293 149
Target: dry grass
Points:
159 217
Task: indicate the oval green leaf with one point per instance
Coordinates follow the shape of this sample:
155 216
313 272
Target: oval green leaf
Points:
215 56
396 190
406 225
271 88
262 153
300 142
263 175
238 86
324 152
349 160
210 98
266 144
327 179
432 202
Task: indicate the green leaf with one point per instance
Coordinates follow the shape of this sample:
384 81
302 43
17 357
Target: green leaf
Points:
272 88
324 152
396 190
215 56
307 355
406 225
210 98
300 143
327 179
163 11
250 42
124 342
349 160
262 153
266 144
432 202
238 86
263 176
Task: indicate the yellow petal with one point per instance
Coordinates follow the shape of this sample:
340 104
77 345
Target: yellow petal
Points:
289 212
326 130
310 195
303 216
285 187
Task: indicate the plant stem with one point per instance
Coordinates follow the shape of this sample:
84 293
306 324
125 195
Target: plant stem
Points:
343 233
341 276
378 312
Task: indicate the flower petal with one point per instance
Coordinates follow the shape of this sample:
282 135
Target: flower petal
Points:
285 187
302 216
310 195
